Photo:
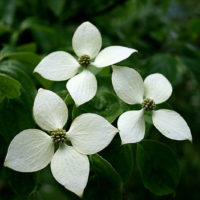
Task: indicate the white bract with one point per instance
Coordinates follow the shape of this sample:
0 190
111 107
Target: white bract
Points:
155 89
32 149
86 42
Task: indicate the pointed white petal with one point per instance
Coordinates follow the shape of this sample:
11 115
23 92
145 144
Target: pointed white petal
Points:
31 150
49 110
128 84
157 87
57 66
131 126
82 87
87 40
171 125
111 55
71 169
90 133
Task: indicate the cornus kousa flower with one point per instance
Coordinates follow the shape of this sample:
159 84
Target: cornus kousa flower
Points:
32 149
155 89
86 42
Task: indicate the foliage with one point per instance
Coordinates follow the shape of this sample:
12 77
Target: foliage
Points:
166 35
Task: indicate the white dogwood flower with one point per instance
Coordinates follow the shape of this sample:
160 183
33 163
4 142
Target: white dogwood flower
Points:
155 89
32 149
86 42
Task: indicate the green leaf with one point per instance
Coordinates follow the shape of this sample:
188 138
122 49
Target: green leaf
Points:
16 114
10 87
43 32
45 179
19 189
22 53
103 174
121 158
158 166
29 47
47 84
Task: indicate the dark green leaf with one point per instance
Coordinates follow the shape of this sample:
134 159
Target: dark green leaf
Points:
11 179
23 53
9 87
158 166
30 47
16 114
121 158
105 183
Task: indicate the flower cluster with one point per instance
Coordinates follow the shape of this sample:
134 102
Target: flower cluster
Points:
61 66
33 149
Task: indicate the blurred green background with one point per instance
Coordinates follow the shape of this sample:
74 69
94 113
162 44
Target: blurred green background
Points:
167 36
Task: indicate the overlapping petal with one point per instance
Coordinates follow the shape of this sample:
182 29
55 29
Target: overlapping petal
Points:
82 87
128 84
71 169
112 55
171 125
157 87
49 110
58 66
131 126
87 40
29 151
90 133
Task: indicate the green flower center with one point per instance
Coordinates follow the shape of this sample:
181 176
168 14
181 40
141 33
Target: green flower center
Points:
84 60
148 105
58 136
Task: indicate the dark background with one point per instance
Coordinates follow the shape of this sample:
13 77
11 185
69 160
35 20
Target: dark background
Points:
167 36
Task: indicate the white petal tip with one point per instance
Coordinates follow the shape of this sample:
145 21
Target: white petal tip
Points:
127 142
134 50
77 105
123 143
80 195
77 193
37 70
5 164
87 22
41 90
81 103
116 130
115 67
130 142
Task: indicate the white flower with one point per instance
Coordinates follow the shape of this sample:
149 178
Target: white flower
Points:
86 42
155 89
32 149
